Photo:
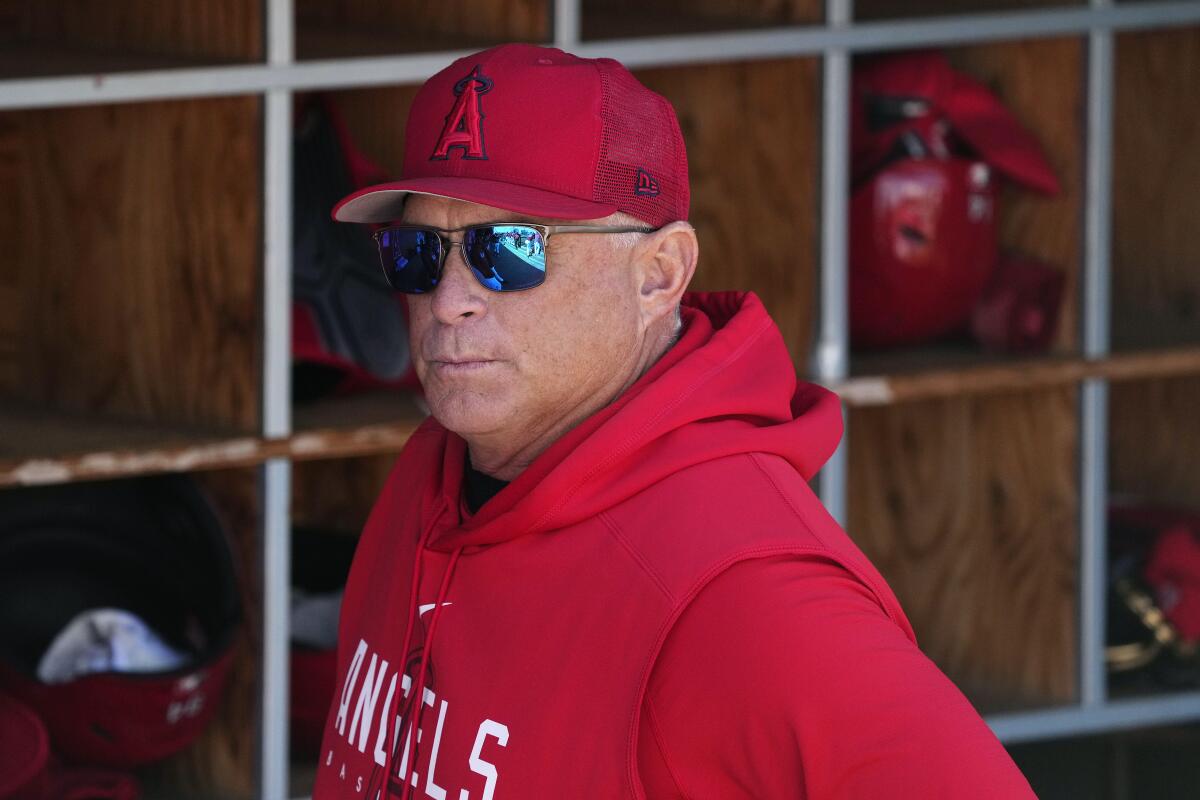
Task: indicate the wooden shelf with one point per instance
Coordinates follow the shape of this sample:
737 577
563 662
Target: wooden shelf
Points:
359 425
38 446
909 383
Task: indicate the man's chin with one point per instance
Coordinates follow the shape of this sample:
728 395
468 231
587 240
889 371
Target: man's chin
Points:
469 416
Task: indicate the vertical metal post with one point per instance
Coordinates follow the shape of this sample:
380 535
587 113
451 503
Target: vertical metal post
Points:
275 475
1093 452
832 358
566 23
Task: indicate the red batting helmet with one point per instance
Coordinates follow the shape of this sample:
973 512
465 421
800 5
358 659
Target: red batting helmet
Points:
151 547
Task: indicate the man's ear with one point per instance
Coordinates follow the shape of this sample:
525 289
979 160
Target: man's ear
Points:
666 261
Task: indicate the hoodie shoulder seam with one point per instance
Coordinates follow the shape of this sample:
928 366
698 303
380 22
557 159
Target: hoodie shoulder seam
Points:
846 563
637 557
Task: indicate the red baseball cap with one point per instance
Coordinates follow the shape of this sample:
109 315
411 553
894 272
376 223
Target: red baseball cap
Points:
540 132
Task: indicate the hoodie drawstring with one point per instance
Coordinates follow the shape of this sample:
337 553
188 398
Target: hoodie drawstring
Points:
419 689
408 631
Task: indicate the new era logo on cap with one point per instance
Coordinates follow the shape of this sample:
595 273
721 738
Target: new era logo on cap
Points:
646 186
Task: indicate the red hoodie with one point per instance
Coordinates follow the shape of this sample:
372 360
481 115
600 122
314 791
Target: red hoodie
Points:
658 606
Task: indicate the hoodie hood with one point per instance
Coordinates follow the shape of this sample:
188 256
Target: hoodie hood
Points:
728 386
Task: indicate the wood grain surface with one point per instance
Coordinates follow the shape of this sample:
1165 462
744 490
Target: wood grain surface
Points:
367 27
968 506
133 257
1156 178
338 494
752 136
1154 444
606 19
376 118
213 30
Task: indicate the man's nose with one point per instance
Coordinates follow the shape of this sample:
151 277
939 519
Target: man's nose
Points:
458 295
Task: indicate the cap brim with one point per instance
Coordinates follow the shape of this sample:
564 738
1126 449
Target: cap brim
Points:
384 202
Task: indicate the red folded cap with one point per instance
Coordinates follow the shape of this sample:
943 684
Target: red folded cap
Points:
1019 309
976 115
1173 569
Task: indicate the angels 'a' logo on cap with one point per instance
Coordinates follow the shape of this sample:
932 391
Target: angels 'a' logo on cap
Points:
464 123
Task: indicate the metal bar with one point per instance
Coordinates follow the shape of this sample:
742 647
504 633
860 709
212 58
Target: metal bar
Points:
1112 716
275 477
281 31
640 52
831 361
1093 401
277 263
566 24
276 474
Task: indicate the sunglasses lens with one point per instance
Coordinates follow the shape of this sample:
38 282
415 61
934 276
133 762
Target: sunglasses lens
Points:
506 258
410 259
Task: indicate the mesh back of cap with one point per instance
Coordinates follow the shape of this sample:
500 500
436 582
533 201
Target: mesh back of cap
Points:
643 164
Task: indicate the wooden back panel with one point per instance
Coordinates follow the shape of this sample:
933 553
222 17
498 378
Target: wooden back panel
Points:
132 250
752 134
1155 438
762 12
1156 178
205 29
517 20
968 507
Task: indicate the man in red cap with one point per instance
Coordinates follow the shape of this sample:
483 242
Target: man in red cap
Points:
598 570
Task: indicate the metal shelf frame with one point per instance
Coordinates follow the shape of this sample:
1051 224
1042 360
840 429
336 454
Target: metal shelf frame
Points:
280 75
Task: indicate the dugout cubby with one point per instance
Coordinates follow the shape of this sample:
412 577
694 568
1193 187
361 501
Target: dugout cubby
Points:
350 28
612 19
1154 435
1049 229
221 762
131 294
1156 170
330 498
70 37
754 187
130 280
969 508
